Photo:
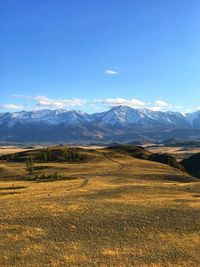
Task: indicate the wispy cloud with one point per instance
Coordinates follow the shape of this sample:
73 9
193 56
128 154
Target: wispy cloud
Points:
12 106
111 72
120 101
46 102
100 104
161 103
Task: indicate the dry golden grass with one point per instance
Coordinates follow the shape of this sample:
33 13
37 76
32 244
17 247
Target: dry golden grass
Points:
179 152
5 150
111 211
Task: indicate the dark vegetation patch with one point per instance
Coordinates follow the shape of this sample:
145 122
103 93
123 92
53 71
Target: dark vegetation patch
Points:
51 177
53 154
43 176
39 168
141 153
192 165
134 151
166 159
12 187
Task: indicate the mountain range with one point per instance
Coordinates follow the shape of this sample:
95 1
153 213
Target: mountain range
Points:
119 124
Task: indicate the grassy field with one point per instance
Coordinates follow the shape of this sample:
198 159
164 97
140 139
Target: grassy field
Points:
10 150
179 152
112 210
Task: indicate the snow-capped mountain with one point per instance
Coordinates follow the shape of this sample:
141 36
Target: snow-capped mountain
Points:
117 123
51 117
145 118
194 119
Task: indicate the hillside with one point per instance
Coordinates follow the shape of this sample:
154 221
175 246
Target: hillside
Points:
142 153
111 210
79 155
192 165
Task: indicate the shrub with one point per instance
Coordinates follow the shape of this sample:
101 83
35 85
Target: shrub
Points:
29 165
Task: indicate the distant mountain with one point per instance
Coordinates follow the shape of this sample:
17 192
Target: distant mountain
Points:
123 116
50 117
194 119
119 124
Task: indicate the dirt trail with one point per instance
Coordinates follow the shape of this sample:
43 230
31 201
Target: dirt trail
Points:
83 184
121 165
86 180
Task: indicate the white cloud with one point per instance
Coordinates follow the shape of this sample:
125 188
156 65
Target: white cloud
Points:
156 108
121 101
12 106
43 102
110 72
46 102
161 103
19 96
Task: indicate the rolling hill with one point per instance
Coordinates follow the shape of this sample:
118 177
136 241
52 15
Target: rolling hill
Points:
114 209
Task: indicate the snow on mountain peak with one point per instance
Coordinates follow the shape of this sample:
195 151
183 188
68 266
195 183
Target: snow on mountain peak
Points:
119 115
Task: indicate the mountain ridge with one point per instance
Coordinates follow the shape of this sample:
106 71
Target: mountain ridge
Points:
111 125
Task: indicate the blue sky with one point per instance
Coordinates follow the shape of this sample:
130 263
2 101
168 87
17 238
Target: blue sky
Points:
93 54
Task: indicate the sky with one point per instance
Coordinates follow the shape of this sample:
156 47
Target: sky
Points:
91 55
